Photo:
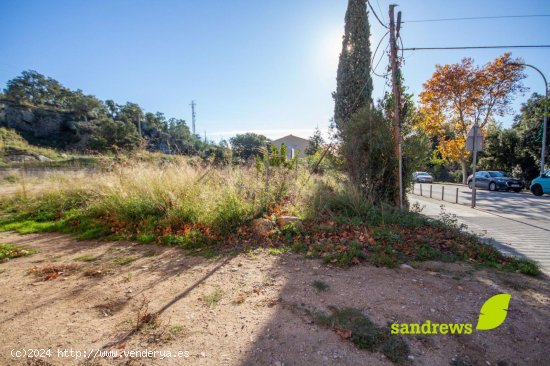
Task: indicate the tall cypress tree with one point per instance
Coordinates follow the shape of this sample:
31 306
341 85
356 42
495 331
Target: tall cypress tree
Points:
364 133
353 80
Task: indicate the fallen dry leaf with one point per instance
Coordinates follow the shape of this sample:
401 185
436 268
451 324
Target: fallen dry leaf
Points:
52 276
345 334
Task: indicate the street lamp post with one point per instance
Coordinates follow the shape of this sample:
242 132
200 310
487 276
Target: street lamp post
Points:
545 123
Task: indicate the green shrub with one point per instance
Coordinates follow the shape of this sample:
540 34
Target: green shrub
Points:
231 212
194 240
10 251
86 258
364 333
525 266
353 251
123 261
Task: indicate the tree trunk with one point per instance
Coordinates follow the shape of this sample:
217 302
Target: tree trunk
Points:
464 172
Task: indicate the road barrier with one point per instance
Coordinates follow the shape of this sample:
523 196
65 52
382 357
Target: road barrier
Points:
431 192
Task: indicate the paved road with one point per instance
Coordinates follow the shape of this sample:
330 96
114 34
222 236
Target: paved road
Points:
518 222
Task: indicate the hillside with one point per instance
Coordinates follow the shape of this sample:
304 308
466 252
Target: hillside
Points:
48 114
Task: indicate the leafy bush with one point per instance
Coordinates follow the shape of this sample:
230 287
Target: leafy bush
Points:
456 176
110 135
231 212
353 324
10 251
368 153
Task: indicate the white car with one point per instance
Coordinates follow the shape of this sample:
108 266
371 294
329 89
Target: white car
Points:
422 177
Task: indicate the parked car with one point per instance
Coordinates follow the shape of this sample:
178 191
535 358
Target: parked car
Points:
422 177
541 185
495 181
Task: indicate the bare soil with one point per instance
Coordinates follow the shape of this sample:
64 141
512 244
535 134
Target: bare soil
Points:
248 309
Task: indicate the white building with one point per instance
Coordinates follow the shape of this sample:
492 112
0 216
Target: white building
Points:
294 145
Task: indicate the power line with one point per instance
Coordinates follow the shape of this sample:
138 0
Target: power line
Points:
376 15
478 18
385 76
379 8
473 47
376 50
373 69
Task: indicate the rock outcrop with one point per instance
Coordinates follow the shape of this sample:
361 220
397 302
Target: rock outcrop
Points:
63 130
39 126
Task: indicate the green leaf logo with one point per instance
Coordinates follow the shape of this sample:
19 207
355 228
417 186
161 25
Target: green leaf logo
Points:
493 312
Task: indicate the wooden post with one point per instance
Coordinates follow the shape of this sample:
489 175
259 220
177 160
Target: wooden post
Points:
442 193
420 189
430 191
456 199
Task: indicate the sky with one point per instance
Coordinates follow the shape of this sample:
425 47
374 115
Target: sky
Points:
251 66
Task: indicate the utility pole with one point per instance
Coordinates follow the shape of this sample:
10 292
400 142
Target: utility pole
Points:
193 104
396 91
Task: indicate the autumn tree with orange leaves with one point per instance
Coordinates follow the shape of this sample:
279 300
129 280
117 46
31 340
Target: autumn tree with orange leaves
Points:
460 95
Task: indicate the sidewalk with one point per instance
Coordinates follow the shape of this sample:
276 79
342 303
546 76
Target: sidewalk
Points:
511 236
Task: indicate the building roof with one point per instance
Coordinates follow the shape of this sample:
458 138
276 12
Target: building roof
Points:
291 137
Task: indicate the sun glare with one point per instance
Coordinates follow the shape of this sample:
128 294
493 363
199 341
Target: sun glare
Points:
329 51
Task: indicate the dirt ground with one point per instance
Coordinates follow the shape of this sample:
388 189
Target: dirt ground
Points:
247 309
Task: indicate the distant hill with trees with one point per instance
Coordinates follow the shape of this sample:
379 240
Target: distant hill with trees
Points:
46 113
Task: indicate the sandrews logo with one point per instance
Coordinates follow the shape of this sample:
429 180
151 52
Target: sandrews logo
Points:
492 314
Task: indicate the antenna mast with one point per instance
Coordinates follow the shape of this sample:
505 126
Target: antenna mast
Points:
193 104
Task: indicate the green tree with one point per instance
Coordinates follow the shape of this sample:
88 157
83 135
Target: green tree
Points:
156 121
247 145
29 88
353 80
112 109
83 105
33 88
316 142
354 112
366 138
500 149
529 125
218 154
110 135
184 142
517 149
130 113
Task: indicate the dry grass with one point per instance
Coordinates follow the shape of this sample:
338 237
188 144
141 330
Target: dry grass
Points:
143 196
54 270
184 203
